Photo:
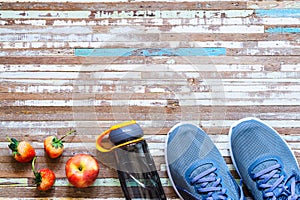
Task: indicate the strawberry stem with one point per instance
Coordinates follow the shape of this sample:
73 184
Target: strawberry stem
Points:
9 139
32 165
68 133
37 175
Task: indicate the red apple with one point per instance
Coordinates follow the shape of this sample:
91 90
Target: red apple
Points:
82 170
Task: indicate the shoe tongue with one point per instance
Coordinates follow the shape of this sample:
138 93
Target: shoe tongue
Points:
262 164
196 170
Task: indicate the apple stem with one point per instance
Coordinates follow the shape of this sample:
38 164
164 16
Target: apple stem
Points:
32 165
68 133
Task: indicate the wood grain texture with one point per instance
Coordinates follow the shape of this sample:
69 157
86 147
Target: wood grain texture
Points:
87 65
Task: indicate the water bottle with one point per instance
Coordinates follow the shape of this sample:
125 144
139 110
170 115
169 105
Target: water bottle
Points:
135 166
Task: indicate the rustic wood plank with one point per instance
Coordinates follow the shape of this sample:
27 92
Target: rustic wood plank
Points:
272 4
94 46
148 60
110 6
149 22
32 14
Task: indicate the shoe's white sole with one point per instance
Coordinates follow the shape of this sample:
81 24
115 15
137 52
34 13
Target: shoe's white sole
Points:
248 119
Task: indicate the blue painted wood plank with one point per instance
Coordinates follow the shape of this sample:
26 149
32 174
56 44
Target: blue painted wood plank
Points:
278 13
283 30
151 52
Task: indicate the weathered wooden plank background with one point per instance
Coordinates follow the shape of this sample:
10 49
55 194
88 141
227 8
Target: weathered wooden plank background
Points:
88 65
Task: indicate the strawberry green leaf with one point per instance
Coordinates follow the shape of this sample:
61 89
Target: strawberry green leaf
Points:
56 143
13 145
37 178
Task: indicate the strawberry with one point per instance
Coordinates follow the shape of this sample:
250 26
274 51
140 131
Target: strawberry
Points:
53 146
44 178
22 151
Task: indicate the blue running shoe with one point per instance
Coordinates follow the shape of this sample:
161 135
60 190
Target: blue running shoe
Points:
196 168
264 161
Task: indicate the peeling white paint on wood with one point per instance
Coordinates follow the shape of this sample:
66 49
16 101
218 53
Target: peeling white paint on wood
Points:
222 101
103 124
278 44
88 82
47 30
106 42
287 67
183 14
173 44
131 68
13 182
218 29
144 75
272 4
157 21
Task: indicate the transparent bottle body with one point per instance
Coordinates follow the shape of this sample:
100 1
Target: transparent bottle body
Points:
137 172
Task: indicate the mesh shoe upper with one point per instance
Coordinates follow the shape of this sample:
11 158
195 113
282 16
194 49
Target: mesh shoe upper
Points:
263 160
196 167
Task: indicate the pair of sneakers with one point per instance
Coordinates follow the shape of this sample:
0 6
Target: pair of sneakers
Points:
261 157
